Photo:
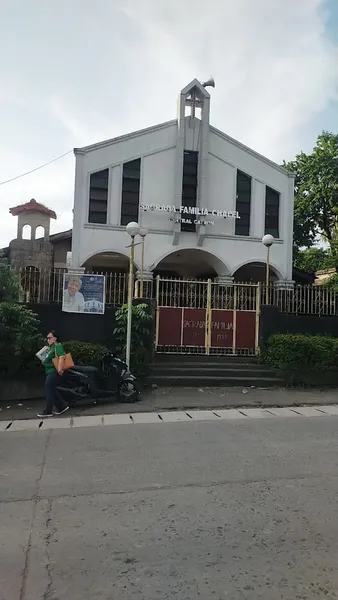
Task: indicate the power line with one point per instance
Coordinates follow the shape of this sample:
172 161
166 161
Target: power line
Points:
36 169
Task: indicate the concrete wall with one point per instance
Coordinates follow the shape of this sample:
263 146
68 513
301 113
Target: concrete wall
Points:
272 321
60 253
27 253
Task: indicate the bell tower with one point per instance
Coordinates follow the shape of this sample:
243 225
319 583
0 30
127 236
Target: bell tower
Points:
34 249
194 100
193 115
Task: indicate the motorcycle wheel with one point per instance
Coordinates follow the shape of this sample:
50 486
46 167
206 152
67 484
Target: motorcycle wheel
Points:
127 392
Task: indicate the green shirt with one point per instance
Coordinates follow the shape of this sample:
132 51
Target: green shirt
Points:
56 350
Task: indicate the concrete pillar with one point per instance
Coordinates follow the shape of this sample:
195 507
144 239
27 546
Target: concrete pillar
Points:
224 280
147 277
115 194
80 216
257 216
284 284
76 270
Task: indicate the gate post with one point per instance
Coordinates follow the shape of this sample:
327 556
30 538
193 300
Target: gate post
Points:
258 314
157 321
234 321
208 323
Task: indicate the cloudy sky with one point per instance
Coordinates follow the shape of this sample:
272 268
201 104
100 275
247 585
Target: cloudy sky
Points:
74 72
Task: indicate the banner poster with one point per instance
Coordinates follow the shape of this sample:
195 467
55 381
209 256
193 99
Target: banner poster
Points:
83 293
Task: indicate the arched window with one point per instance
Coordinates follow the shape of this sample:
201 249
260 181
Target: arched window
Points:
40 232
26 232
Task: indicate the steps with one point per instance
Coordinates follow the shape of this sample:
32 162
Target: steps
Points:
203 370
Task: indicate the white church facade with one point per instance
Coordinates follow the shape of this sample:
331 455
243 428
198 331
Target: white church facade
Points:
205 199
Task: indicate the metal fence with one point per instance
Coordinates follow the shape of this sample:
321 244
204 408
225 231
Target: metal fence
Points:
185 293
46 285
304 300
300 300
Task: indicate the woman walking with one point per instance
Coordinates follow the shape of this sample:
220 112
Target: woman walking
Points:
53 377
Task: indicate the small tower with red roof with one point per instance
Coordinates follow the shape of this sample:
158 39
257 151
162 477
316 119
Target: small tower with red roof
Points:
34 215
33 250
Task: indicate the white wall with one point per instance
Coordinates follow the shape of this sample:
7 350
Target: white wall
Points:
157 187
112 155
157 150
222 195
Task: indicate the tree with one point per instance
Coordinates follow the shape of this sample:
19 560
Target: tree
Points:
141 336
316 194
9 284
20 338
313 259
19 327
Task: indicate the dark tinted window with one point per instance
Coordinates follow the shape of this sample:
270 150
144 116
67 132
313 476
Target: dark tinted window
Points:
272 212
98 197
189 187
130 191
243 203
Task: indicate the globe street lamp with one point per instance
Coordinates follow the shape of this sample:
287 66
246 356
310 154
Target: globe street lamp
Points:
267 240
133 229
143 233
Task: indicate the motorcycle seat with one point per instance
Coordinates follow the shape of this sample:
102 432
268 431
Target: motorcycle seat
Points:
82 369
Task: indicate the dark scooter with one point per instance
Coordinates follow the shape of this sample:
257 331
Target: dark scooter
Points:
113 378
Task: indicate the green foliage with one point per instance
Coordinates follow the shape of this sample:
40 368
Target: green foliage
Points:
141 332
85 353
313 259
293 352
331 283
9 284
316 194
19 338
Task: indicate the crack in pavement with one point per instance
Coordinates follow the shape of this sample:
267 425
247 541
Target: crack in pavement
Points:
182 486
35 499
48 594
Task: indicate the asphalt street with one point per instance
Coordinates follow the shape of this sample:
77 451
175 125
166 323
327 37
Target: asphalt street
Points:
222 509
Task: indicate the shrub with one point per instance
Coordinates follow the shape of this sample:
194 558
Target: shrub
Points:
141 334
297 351
331 283
9 283
85 353
20 338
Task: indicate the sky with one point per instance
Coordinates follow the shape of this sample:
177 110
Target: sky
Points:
76 72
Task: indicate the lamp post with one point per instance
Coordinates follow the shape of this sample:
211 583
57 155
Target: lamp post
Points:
133 229
267 240
143 232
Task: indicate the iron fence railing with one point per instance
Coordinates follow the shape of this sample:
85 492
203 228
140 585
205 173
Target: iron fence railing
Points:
46 285
303 300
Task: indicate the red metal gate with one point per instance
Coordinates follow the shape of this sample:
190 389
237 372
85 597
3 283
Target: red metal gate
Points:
207 317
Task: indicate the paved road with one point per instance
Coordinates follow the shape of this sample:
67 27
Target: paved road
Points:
225 509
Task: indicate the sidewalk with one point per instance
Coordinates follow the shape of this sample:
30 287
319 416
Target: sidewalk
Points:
186 398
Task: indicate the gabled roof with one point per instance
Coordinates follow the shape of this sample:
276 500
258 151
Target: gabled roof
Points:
32 205
195 84
127 136
250 151
166 124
